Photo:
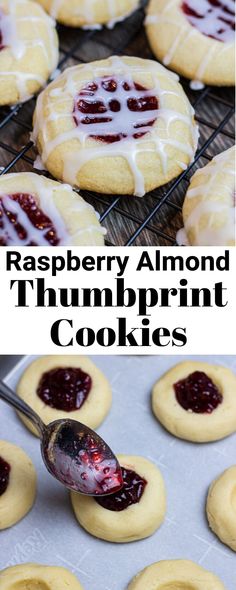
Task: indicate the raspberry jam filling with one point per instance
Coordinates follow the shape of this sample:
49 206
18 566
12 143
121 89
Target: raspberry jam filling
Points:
4 475
1 39
22 222
214 18
110 109
2 44
130 493
65 388
197 393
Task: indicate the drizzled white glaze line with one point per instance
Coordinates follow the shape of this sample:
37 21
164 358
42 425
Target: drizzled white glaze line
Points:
13 39
127 148
45 194
184 34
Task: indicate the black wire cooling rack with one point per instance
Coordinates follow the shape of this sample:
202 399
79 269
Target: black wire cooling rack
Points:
154 219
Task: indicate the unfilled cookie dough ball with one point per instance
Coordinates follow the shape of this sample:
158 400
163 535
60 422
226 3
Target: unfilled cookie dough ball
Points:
196 401
221 507
194 38
135 512
89 13
209 206
28 50
37 211
17 485
175 575
31 576
117 126
59 387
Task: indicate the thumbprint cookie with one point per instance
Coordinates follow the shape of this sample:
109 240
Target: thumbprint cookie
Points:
209 206
196 401
17 484
89 13
135 512
58 387
194 38
37 211
28 50
221 507
175 574
118 126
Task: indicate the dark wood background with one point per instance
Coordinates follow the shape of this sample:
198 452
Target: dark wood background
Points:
125 216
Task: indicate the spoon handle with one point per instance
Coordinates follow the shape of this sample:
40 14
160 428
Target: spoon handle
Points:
9 396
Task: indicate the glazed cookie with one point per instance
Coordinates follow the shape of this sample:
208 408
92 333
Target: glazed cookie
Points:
195 38
221 507
209 206
196 401
28 50
31 576
17 484
117 126
135 512
175 574
36 211
59 387
89 13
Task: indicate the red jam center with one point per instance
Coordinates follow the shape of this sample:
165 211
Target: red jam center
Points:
111 109
17 219
65 388
197 393
1 41
4 475
214 18
130 493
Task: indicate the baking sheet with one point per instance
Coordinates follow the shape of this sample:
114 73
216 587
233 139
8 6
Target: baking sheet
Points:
50 534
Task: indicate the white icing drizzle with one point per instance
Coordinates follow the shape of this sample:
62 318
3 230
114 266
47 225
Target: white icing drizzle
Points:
85 12
222 234
128 148
44 192
19 44
212 22
207 26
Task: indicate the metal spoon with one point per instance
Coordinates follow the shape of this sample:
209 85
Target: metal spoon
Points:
73 453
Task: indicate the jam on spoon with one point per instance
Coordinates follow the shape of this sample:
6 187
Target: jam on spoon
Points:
197 393
5 469
80 459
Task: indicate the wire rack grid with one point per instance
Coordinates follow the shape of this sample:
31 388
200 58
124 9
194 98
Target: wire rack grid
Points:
154 219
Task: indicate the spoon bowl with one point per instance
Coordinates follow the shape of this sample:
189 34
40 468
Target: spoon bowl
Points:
80 459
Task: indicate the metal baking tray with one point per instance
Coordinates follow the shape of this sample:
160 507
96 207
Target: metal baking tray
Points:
49 534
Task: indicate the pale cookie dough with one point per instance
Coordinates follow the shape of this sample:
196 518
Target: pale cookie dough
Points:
118 126
175 575
95 407
209 206
221 507
189 425
202 49
62 217
28 50
31 576
89 13
137 521
19 496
